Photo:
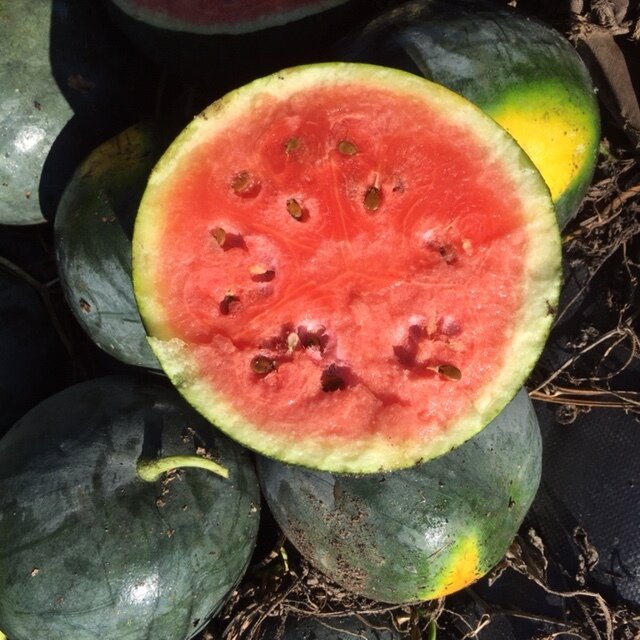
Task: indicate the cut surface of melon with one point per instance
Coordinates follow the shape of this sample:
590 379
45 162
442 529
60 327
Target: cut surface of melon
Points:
346 266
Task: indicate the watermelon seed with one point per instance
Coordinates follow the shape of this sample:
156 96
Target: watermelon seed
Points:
332 379
295 209
293 341
291 145
262 365
450 372
372 198
226 302
245 185
347 148
220 235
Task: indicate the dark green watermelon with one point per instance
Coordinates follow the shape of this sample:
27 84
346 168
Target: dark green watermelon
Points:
419 533
88 549
68 80
93 227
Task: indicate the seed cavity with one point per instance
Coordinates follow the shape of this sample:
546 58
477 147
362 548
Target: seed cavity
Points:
291 145
295 209
261 273
315 339
227 303
347 148
372 198
245 185
449 371
262 365
333 378
447 253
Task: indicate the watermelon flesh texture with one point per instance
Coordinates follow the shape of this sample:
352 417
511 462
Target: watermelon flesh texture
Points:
342 281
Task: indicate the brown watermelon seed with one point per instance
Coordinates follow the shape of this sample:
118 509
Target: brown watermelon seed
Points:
226 302
331 380
291 145
347 148
450 372
219 235
372 198
245 185
295 209
262 365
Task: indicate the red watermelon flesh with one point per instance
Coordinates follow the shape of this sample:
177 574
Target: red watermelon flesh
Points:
346 267
228 16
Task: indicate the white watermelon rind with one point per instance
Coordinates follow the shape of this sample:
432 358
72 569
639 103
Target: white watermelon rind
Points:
540 288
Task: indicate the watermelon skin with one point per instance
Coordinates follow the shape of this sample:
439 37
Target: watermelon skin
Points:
219 58
88 549
519 70
397 537
67 81
92 235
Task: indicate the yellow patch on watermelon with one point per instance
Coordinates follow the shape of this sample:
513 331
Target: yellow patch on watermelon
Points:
555 128
462 569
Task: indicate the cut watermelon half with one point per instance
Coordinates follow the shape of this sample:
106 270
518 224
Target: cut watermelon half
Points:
346 266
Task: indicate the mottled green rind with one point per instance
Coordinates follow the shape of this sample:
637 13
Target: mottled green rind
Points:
93 241
494 56
66 80
389 536
89 550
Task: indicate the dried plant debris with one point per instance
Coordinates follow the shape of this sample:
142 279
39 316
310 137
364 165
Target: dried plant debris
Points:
592 356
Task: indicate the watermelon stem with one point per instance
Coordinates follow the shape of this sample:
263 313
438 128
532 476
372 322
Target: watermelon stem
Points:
431 630
152 470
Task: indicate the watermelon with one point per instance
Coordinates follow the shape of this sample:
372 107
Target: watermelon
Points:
106 528
519 70
420 533
93 228
219 45
346 266
66 80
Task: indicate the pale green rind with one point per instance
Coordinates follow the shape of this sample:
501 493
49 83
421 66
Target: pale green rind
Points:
274 19
542 264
